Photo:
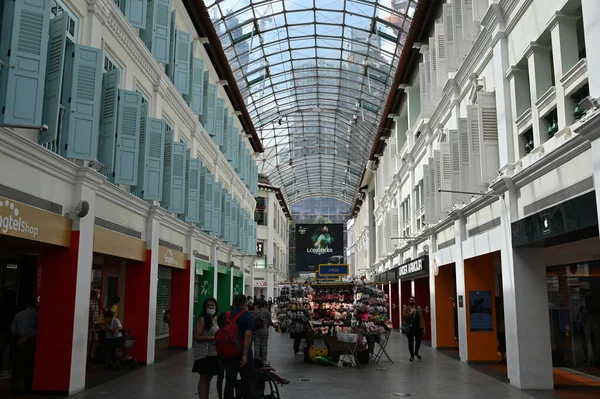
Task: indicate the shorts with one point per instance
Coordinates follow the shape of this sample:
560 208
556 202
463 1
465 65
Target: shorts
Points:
207 366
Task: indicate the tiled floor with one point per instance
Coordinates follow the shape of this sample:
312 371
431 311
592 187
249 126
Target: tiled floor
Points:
436 376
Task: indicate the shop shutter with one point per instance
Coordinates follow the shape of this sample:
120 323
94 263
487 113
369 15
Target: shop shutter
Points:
152 148
451 59
156 36
135 12
219 115
454 148
127 140
196 96
82 116
208 112
23 47
54 78
207 200
228 139
174 175
474 145
446 177
192 197
465 157
216 226
163 302
488 137
180 69
423 88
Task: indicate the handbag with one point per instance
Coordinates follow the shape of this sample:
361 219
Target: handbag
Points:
405 327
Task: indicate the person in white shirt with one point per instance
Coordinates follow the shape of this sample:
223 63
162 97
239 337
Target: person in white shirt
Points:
112 328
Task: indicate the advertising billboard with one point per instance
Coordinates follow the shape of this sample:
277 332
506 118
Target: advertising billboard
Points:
318 244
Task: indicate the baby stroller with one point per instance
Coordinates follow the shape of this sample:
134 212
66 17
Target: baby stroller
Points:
264 384
107 349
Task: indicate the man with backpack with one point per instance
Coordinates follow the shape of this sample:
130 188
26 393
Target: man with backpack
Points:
234 347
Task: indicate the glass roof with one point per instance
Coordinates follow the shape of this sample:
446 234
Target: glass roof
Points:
315 76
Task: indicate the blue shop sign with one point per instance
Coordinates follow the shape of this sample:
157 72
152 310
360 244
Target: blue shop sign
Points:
333 270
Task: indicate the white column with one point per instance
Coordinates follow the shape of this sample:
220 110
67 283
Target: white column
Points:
86 184
565 51
94 23
460 236
214 260
519 102
591 28
152 236
540 80
231 269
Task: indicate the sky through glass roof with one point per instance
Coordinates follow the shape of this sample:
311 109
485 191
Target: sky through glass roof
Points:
315 76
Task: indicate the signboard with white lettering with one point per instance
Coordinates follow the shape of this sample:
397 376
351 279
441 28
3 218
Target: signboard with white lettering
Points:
412 269
171 258
318 244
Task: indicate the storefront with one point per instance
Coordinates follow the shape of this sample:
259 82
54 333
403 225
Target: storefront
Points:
238 283
260 288
204 285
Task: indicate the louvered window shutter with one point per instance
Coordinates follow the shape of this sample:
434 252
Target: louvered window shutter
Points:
470 26
196 97
170 67
203 174
151 165
433 59
242 169
135 12
440 45
219 115
446 177
451 58
225 216
233 226
127 148
180 70
428 198
430 93
192 198
437 162
488 136
228 139
108 122
236 153
457 21
455 165
156 36
207 199
84 90
208 113
433 182
423 88
174 175
23 46
54 78
465 157
474 145
216 227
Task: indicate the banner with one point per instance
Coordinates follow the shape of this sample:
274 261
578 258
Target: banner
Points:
318 244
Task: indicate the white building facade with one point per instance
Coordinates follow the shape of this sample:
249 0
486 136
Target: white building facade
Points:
491 107
273 219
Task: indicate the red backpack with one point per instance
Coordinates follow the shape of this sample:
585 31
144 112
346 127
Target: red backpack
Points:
227 338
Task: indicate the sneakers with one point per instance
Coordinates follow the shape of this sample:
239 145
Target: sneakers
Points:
419 357
412 358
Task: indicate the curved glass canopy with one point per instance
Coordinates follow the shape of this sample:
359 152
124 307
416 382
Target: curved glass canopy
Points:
315 75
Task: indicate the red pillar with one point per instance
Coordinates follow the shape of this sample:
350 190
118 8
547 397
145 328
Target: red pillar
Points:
137 305
423 300
58 283
180 307
396 306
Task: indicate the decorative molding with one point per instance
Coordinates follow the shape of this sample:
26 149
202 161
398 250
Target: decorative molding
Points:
575 77
546 102
524 121
120 197
588 127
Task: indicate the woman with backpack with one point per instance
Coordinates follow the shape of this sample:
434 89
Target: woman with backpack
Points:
262 322
205 349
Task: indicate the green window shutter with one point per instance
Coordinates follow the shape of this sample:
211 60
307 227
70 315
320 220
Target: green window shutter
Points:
181 67
209 104
174 175
150 169
219 114
192 205
216 226
127 150
135 12
24 37
108 122
196 97
83 90
54 78
156 36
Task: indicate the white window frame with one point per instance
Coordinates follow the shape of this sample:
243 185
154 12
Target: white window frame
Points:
61 6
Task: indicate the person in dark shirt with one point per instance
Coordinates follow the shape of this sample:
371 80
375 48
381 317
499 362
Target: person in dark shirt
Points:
24 329
244 364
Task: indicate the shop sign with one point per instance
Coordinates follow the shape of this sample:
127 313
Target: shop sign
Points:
417 266
261 283
334 270
171 258
24 221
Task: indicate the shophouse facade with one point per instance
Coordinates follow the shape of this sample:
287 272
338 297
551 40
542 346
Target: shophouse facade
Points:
489 178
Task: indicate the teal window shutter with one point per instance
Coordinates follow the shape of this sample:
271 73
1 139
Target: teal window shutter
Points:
174 175
169 69
226 221
232 221
208 202
180 71
236 150
226 148
156 35
83 91
216 226
192 205
24 37
196 97
208 112
243 170
219 114
54 78
203 204
108 122
127 150
152 147
135 12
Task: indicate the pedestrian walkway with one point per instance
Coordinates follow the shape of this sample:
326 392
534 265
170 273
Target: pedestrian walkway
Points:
436 376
